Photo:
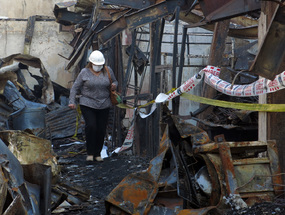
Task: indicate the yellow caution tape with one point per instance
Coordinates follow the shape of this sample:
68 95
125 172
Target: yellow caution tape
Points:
121 105
124 106
78 117
235 105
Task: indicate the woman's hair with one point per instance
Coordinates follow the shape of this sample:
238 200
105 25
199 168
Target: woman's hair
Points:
89 66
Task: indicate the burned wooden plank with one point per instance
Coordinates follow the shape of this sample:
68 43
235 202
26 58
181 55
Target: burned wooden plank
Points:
77 192
136 19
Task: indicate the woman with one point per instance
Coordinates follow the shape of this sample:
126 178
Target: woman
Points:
93 84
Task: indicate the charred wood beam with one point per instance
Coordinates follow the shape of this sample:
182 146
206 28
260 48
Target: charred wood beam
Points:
119 112
137 4
86 38
137 19
29 34
81 194
155 39
57 197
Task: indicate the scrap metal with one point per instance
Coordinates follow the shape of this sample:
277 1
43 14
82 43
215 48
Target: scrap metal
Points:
16 100
140 61
136 19
24 198
28 60
270 59
66 17
30 149
131 4
225 9
61 123
120 15
190 168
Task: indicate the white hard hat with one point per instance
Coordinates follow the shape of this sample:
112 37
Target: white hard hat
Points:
97 58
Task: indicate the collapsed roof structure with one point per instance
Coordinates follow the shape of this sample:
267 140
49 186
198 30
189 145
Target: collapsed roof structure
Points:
101 24
102 27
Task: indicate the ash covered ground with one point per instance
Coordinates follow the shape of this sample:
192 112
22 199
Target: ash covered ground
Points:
100 178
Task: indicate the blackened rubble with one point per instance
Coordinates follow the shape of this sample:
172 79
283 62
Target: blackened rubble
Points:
99 178
277 207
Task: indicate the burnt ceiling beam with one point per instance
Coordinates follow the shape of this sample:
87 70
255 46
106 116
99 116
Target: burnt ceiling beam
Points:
135 4
225 9
150 14
137 19
112 30
248 31
85 40
69 18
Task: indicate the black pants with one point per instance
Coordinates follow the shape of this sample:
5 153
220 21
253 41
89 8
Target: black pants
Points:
96 121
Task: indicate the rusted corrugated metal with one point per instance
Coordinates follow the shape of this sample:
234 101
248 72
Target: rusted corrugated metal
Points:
5 111
62 122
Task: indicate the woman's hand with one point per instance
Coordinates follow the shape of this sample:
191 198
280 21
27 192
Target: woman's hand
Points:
72 106
113 86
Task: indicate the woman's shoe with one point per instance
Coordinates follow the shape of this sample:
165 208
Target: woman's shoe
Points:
99 159
89 158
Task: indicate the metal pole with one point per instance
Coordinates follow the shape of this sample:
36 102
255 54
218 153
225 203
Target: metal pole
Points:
174 101
181 65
